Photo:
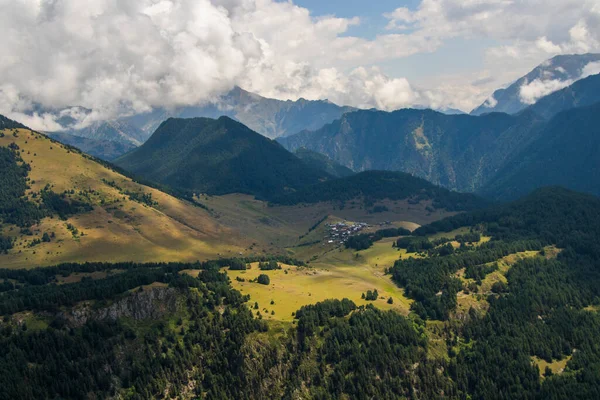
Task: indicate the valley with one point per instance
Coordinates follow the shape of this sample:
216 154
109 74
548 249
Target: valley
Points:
300 200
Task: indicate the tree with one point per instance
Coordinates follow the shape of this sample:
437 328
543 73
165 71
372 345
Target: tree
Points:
237 265
269 266
390 301
263 279
372 295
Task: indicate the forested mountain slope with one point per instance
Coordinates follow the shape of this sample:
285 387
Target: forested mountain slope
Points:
371 186
565 153
322 162
218 157
585 92
459 152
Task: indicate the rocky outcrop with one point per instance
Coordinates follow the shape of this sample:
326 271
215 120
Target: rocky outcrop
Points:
149 303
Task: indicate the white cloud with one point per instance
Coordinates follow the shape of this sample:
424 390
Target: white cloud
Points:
535 90
119 58
122 57
491 102
592 68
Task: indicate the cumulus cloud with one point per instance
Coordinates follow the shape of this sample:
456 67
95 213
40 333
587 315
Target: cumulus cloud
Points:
592 68
118 58
535 90
115 58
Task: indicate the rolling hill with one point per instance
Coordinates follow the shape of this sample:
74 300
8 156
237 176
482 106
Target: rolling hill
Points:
565 153
459 152
63 206
563 69
218 157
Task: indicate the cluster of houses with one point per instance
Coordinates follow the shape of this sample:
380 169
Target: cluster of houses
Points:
341 231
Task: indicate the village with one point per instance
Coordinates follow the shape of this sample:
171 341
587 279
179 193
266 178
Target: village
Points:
341 231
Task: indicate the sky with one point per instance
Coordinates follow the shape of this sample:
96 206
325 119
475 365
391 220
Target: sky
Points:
102 59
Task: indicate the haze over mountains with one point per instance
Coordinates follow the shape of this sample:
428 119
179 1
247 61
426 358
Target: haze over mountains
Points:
270 117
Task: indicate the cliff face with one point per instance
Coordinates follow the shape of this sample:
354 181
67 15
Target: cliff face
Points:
149 303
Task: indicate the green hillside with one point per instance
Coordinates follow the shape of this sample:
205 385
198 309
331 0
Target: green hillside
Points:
60 205
218 157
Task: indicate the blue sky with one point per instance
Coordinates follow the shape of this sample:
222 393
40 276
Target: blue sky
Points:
370 12
458 55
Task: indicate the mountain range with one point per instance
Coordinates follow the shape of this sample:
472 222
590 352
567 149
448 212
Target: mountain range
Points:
459 152
491 154
584 92
212 262
270 117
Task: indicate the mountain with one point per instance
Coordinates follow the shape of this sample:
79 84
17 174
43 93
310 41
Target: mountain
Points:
104 149
322 162
555 73
59 205
119 131
218 157
371 186
565 153
459 152
584 92
270 117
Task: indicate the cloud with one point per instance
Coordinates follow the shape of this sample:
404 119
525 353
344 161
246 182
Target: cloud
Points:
491 102
531 92
116 58
122 58
592 68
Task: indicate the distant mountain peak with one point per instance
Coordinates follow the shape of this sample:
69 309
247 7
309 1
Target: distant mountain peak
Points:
552 75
